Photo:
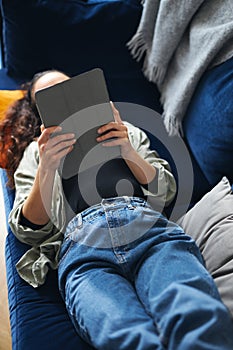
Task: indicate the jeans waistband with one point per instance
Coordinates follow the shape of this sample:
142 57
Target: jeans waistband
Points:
114 202
109 203
123 200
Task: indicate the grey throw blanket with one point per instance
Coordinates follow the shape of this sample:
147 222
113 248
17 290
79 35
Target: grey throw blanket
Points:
179 40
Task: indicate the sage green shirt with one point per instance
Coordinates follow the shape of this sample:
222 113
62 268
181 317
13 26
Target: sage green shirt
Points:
46 242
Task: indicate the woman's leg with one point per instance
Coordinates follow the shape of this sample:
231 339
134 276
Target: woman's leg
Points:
181 296
106 312
93 279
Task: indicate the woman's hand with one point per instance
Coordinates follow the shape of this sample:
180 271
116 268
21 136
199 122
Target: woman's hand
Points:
142 170
52 147
116 134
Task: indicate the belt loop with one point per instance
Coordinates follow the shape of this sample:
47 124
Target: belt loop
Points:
127 199
129 202
79 222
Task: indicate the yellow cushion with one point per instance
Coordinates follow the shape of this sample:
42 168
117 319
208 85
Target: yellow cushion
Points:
7 97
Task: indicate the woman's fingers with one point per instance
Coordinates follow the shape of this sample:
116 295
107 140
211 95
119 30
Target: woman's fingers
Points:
113 134
58 144
116 113
42 127
53 147
112 130
46 133
112 126
51 137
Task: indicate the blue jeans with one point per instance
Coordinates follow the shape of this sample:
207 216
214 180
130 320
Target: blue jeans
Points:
133 280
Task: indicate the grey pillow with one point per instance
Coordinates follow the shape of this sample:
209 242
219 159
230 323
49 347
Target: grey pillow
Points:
210 223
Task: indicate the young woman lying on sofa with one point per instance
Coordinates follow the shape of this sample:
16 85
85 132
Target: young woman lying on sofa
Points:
130 278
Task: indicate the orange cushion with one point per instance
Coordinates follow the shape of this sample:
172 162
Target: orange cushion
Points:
7 97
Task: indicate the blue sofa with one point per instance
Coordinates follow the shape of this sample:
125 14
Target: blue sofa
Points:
73 36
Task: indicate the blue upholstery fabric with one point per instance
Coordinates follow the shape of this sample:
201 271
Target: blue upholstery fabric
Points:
6 82
38 316
208 125
68 35
75 36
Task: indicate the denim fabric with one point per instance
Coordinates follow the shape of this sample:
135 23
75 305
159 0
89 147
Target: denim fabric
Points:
133 280
208 124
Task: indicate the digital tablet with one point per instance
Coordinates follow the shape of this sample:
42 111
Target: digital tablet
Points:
79 105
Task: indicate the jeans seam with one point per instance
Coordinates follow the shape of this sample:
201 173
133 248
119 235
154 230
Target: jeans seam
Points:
68 250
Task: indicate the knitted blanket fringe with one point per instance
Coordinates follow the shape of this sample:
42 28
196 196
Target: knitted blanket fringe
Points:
177 42
173 125
139 47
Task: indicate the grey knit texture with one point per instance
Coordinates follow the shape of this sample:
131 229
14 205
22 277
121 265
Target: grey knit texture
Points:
178 41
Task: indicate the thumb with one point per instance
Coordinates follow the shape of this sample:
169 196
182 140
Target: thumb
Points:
116 114
42 127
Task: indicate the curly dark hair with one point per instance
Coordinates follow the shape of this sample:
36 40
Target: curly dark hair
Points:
19 128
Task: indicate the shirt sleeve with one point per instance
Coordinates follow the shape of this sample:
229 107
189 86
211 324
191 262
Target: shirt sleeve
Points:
25 222
24 179
163 187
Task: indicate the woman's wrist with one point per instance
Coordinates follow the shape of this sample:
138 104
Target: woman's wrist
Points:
142 170
37 207
128 152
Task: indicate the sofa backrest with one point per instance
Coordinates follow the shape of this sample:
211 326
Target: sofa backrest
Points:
70 35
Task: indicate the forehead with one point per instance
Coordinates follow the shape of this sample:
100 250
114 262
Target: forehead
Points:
49 79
